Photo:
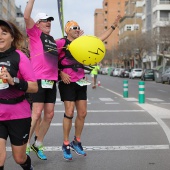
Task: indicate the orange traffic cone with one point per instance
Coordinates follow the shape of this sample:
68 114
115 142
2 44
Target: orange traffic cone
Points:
99 83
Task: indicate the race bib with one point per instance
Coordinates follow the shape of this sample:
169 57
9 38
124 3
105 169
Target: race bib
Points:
83 82
47 84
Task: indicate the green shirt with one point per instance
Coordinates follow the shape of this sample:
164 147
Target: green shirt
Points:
95 70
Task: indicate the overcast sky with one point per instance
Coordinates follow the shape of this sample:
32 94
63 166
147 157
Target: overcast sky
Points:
81 11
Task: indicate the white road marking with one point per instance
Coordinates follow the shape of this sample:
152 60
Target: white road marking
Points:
111 91
155 99
106 99
162 91
58 100
112 103
105 111
108 148
58 103
158 114
112 124
131 99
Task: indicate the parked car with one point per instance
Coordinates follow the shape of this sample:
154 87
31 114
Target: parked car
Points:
116 71
120 72
111 72
104 70
148 74
166 77
135 73
125 72
158 73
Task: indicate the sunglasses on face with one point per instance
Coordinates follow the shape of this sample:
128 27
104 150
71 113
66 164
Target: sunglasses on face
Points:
45 20
75 28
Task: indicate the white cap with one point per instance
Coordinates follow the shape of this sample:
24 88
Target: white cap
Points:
42 16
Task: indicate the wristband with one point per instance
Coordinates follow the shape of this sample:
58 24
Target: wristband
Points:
22 85
113 27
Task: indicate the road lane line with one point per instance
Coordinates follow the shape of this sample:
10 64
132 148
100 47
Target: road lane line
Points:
106 99
105 111
155 99
112 103
108 148
112 124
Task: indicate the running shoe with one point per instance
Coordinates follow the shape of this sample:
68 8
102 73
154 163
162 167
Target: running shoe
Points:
76 147
28 149
66 152
39 151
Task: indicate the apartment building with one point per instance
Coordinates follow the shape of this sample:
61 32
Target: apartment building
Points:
20 19
156 16
130 26
8 10
131 23
104 18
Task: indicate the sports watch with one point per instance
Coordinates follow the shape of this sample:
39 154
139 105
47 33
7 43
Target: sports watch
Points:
16 81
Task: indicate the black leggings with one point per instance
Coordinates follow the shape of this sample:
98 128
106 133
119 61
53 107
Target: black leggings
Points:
27 164
1 167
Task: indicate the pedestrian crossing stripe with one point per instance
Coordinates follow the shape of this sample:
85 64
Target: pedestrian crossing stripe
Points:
106 99
107 148
105 111
155 99
111 124
58 100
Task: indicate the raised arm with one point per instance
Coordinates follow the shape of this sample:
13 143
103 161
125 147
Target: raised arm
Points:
108 32
27 14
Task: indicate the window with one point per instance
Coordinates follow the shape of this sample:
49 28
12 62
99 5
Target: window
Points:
128 28
136 27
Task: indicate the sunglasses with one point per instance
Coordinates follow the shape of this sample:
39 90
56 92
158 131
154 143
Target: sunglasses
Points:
45 20
75 28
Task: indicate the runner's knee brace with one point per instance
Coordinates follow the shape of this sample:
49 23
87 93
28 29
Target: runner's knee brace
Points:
68 117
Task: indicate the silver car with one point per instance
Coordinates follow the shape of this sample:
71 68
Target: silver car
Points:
166 77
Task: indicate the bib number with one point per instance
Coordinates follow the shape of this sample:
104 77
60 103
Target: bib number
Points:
47 84
83 82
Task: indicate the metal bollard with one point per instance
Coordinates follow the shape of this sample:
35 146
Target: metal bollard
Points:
141 92
125 88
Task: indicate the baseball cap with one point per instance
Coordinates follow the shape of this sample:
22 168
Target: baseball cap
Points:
6 23
70 24
42 16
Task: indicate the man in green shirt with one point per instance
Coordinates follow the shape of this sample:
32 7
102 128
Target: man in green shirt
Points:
94 74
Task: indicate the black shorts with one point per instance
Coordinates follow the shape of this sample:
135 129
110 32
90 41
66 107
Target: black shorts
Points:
45 95
72 91
17 130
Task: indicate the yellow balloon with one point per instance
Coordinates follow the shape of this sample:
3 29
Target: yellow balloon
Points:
87 49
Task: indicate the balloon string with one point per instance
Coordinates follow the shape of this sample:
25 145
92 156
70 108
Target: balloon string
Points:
47 52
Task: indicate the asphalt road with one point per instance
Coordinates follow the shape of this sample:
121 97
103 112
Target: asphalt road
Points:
119 133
